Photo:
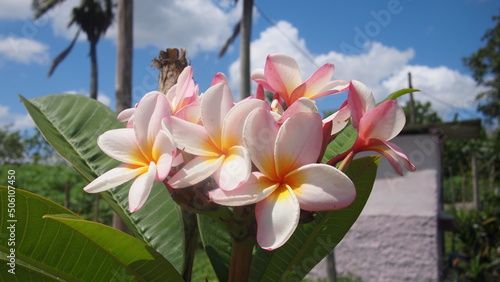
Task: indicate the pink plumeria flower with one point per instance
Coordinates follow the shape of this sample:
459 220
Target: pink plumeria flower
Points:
182 98
376 125
281 75
289 179
146 151
216 144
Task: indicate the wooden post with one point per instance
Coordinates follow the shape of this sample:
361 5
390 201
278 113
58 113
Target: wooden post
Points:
412 102
475 184
331 267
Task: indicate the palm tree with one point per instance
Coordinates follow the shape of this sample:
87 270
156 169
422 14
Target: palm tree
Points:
123 85
94 17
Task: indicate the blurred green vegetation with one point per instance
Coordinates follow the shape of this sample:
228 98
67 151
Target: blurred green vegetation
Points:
38 169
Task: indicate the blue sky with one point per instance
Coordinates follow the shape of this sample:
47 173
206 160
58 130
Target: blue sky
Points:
375 42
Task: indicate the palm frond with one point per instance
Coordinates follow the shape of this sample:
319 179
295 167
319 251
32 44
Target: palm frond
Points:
230 40
40 7
63 55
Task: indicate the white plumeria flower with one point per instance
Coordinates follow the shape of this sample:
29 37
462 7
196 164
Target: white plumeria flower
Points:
289 179
217 144
146 151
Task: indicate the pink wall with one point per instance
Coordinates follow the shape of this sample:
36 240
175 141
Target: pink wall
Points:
396 236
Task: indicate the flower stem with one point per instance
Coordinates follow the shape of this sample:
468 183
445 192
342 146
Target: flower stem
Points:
241 259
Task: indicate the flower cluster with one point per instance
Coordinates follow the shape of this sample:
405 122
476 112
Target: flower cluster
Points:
260 153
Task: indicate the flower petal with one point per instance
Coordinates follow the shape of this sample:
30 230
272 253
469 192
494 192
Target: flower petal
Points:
191 138
277 218
232 130
302 105
255 189
384 122
320 187
121 144
219 78
339 119
140 188
330 88
283 75
215 104
183 92
360 100
150 111
113 178
195 171
235 168
191 112
259 77
392 153
314 84
298 142
259 135
163 153
126 114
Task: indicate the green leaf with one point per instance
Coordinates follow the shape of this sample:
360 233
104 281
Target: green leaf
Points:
342 142
69 248
22 270
399 93
311 242
71 124
217 244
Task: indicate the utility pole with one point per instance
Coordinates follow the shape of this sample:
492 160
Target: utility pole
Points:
412 102
245 33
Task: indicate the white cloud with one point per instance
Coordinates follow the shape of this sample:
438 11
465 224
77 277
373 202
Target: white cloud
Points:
382 68
16 120
448 90
198 25
15 9
23 50
374 64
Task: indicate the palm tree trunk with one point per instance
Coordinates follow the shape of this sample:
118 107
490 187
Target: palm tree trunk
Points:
93 95
123 85
93 69
246 33
170 62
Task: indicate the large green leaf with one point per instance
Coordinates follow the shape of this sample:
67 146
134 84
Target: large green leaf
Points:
217 244
67 247
311 242
71 124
